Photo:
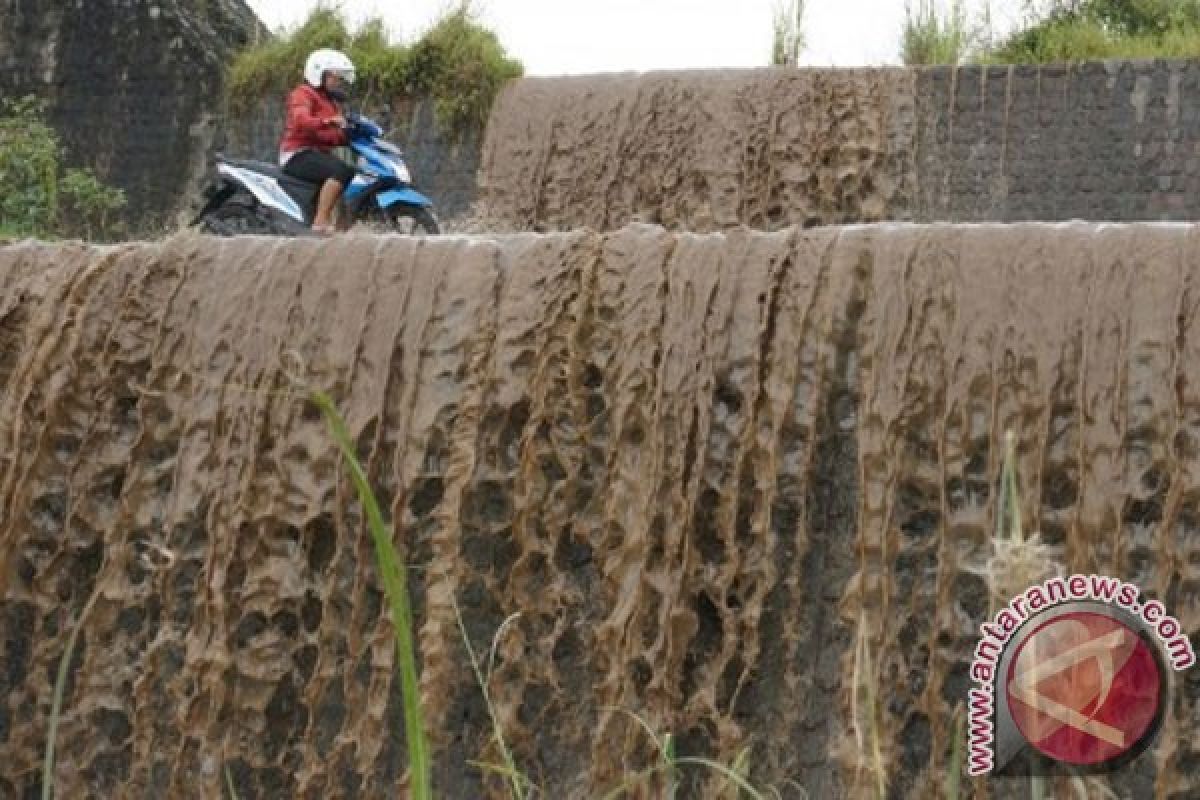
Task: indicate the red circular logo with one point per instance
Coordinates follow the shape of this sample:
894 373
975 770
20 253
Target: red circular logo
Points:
1084 688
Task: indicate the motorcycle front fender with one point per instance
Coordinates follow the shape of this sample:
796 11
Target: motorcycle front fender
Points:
406 195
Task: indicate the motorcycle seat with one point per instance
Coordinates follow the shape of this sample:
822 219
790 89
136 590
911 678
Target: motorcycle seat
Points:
302 190
268 169
264 167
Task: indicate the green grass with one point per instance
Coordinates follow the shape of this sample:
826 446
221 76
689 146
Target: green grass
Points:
957 753
864 680
734 775
931 37
393 574
1062 32
60 687
1019 561
1103 29
457 63
1008 515
519 784
787 39
1090 41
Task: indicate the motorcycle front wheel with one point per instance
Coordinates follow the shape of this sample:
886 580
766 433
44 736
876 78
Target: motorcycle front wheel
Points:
409 220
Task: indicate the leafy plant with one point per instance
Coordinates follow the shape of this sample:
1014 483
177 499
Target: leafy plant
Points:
458 63
39 199
1077 30
462 66
29 159
88 207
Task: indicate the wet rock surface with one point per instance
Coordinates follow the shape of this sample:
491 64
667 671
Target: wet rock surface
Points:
702 149
699 466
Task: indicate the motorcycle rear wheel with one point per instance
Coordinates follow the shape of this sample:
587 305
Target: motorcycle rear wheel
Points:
237 219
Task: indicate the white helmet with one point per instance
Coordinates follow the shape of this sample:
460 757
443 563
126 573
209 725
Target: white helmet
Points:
322 61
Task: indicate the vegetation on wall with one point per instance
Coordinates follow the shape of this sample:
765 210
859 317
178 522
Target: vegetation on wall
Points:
457 63
1078 30
933 35
41 198
1054 31
787 39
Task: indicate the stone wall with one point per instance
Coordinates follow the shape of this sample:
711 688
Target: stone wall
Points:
1101 141
134 86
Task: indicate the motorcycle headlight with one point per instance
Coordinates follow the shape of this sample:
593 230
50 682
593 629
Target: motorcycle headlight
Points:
399 166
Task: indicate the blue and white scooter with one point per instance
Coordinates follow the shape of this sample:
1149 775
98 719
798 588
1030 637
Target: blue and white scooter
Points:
257 197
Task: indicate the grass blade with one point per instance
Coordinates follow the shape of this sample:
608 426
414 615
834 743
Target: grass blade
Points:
957 753
671 762
60 687
635 780
395 584
724 771
672 773
233 795
509 769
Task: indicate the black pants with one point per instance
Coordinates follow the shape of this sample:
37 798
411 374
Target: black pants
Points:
317 167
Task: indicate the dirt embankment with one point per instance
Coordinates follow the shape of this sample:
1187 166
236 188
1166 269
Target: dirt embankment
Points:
692 463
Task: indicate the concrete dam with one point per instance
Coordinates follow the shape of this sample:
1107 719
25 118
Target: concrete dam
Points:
703 468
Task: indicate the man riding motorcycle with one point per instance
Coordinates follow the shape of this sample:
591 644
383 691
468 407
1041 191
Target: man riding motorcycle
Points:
315 125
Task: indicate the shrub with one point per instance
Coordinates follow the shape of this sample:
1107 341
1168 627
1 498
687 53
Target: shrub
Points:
276 64
87 207
1080 30
931 37
39 198
29 155
458 63
462 66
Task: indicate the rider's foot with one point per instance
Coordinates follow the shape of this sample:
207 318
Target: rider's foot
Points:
323 230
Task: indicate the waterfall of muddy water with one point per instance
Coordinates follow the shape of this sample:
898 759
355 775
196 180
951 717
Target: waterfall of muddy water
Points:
690 461
701 150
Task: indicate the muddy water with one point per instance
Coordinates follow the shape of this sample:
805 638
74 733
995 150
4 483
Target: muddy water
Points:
701 150
692 463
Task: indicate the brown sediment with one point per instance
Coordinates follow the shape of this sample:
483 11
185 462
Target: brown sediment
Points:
701 150
690 462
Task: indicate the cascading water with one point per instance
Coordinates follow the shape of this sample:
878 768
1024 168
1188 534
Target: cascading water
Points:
701 467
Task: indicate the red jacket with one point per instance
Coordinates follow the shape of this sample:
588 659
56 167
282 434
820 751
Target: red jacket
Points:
309 121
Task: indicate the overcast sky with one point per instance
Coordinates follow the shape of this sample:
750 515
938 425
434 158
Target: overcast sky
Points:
553 37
